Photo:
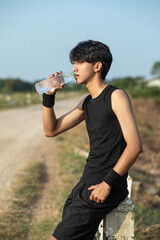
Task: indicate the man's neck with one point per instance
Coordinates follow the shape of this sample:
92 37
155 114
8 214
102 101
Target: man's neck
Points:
95 87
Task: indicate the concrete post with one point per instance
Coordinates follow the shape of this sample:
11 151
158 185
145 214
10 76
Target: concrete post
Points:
118 224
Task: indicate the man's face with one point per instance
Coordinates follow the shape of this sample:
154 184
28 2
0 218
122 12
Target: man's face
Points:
83 72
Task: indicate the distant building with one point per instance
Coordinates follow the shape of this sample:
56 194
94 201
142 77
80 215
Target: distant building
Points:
153 82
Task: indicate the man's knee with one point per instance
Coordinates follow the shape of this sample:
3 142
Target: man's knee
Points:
53 238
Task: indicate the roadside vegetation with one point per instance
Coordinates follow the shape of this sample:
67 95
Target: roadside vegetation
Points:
69 172
13 99
18 93
137 88
14 223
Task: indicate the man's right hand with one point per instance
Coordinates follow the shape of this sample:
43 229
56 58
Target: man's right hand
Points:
53 91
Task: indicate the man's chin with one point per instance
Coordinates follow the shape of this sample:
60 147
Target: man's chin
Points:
79 82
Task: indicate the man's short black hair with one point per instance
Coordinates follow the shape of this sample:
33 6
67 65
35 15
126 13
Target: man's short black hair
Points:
92 51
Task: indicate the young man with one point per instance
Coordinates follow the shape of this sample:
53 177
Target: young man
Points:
114 142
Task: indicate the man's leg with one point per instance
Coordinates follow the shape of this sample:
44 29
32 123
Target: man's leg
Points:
52 238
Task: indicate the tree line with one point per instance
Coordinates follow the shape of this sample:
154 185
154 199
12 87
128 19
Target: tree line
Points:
10 85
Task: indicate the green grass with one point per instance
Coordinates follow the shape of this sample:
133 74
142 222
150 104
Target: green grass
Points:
145 92
18 99
141 176
41 229
71 165
148 131
21 99
147 223
15 224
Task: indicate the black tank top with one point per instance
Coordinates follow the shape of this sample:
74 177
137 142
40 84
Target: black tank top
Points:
105 136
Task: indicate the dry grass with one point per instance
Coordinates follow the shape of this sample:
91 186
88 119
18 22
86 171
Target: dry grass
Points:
14 224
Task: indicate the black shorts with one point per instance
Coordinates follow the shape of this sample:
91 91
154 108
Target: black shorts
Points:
81 216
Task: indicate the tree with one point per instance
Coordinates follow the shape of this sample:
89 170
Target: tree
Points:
156 69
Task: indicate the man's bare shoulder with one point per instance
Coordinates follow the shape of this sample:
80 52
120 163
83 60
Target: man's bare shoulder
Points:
120 95
120 101
80 104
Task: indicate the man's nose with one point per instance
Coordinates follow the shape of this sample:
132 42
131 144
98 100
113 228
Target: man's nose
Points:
74 69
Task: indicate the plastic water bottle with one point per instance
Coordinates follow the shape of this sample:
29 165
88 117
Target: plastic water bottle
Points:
56 81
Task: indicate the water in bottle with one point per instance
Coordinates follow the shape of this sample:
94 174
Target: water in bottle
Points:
56 81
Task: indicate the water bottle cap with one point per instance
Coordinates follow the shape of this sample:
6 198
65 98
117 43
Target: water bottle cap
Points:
73 74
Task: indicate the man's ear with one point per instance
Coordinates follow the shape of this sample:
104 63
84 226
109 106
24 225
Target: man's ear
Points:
98 66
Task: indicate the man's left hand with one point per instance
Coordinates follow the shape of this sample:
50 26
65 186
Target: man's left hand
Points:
100 192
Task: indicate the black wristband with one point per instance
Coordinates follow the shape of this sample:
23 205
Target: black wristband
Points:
112 177
48 100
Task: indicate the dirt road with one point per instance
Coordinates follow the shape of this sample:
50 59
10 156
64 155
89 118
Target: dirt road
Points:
22 140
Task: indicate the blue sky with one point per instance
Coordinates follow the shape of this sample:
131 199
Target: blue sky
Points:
36 36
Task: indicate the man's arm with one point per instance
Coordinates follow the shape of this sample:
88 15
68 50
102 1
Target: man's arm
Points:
122 108
54 126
